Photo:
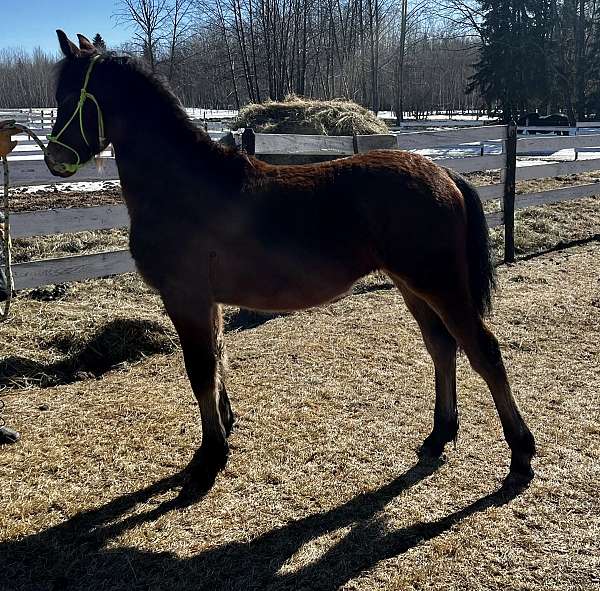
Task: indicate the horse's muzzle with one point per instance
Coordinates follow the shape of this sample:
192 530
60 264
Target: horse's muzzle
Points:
57 168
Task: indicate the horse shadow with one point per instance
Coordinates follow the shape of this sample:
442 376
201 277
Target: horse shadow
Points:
243 319
77 554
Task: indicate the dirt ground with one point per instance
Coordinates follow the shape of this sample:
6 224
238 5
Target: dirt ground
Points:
323 489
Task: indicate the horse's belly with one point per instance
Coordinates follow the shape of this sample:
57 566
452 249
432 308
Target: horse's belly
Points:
294 286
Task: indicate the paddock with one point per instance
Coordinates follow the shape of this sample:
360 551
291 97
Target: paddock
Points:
321 491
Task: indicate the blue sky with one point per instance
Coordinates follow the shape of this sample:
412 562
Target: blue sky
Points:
32 23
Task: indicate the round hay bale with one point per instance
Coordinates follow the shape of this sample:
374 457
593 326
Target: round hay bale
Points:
309 117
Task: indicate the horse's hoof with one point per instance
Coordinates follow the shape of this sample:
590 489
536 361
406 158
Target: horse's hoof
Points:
518 479
207 462
431 449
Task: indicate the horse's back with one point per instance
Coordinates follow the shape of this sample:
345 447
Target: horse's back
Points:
375 210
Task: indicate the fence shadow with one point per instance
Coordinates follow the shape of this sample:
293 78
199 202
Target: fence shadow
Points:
74 554
558 247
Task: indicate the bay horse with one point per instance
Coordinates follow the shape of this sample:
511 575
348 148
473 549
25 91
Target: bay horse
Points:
211 225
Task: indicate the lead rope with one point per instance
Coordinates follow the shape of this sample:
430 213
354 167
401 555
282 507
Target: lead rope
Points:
6 435
6 246
7 129
12 128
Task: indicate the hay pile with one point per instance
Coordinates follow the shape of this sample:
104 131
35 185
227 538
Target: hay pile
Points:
309 117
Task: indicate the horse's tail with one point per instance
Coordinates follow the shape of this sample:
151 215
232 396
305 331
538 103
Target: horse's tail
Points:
482 275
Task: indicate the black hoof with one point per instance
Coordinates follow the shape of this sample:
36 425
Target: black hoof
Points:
430 449
435 442
518 480
523 450
207 462
444 431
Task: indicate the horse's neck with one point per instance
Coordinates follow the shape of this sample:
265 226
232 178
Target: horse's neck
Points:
152 142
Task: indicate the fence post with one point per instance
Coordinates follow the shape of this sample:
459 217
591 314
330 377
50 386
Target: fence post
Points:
508 206
249 141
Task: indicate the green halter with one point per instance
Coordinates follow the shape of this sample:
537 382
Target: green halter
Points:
84 95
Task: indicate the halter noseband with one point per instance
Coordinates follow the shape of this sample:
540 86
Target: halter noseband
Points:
84 95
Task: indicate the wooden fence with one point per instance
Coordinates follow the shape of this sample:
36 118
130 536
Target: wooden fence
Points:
502 139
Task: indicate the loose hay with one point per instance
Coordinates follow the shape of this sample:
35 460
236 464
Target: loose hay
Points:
320 491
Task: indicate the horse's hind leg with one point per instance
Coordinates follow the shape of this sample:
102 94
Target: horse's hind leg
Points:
225 410
454 306
195 324
441 345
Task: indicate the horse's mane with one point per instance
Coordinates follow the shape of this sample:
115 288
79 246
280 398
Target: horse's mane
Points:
138 70
141 74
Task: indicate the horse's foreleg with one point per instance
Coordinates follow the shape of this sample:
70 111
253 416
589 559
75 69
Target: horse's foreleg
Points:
441 345
225 410
196 328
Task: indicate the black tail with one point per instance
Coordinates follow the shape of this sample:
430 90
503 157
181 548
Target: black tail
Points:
482 275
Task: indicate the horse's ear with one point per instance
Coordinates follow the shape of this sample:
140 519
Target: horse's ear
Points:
85 45
69 49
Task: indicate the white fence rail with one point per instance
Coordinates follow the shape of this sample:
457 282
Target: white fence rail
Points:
65 269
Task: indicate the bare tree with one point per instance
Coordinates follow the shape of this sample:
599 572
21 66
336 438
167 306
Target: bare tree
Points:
148 19
179 23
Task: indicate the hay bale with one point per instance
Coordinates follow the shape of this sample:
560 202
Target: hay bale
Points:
309 117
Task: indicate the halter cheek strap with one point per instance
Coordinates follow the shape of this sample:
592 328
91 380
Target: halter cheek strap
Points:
83 96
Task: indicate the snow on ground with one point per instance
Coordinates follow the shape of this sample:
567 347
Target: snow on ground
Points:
197 113
458 117
83 187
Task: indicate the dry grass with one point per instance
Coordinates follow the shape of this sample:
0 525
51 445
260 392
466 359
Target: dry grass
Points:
67 196
310 117
544 228
321 491
59 245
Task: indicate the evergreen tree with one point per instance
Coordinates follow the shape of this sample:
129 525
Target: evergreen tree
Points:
593 75
99 42
513 70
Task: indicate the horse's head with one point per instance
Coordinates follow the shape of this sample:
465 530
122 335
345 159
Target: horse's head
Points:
78 134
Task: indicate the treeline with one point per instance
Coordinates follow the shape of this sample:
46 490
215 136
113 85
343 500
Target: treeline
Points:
417 56
26 79
226 53
538 54
381 53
